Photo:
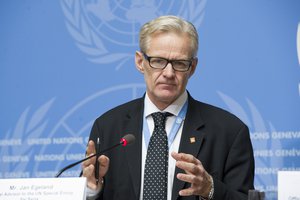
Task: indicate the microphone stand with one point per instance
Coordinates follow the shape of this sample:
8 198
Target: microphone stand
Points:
89 157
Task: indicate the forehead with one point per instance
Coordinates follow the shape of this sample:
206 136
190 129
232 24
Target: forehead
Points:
170 44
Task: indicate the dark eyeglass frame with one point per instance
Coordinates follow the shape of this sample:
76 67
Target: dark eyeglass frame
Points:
148 58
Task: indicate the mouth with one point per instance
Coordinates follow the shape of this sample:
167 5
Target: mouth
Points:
166 85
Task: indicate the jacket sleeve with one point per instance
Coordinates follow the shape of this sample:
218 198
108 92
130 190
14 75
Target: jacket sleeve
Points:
238 171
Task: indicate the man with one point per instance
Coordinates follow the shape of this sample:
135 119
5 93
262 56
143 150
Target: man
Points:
215 159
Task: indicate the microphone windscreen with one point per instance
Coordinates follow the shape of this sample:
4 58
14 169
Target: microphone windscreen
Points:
129 138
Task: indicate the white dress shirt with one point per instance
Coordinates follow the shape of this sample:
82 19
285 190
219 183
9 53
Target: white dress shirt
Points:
174 108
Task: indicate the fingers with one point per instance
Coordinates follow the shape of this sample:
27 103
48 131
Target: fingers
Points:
103 165
190 178
89 151
89 173
185 157
188 163
91 148
199 186
188 192
195 174
88 167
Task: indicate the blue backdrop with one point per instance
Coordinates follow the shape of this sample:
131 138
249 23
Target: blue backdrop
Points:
63 63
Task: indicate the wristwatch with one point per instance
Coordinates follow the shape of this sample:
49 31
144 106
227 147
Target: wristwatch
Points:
211 192
212 189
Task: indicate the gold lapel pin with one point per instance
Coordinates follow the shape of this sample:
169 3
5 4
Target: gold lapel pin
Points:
192 140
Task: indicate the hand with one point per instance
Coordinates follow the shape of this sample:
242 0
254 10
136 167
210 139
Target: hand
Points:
195 174
88 167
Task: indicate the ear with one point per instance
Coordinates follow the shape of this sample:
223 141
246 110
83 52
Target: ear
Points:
139 61
193 67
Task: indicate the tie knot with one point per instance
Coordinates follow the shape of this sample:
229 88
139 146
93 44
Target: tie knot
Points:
160 118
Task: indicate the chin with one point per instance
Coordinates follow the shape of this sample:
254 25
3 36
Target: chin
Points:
167 97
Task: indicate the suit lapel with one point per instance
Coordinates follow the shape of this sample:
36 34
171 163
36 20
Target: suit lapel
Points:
191 141
133 125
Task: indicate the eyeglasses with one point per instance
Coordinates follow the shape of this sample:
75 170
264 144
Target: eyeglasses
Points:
161 63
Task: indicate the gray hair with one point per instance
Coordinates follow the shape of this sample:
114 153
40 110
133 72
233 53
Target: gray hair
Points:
166 24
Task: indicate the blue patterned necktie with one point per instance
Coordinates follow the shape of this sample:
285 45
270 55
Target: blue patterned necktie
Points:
156 167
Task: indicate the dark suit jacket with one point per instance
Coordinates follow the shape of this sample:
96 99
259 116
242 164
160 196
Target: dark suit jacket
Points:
222 144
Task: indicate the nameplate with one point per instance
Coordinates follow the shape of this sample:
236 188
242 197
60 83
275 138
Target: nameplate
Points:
288 185
43 189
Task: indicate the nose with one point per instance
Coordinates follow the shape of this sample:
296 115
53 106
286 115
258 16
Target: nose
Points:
168 70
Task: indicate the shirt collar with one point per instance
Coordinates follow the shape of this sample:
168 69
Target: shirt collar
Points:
173 108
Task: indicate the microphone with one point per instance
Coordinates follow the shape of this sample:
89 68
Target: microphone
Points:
126 140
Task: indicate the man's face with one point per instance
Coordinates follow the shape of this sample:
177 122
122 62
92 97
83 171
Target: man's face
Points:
165 85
